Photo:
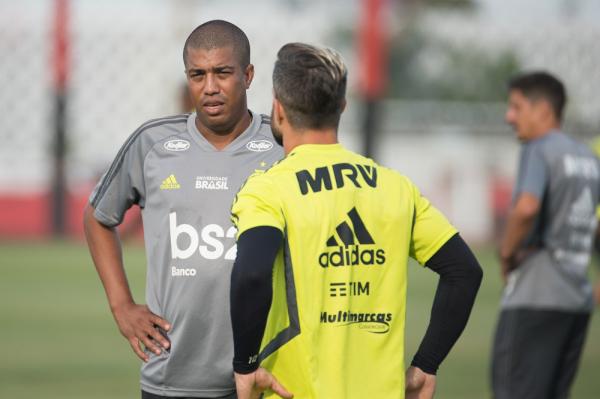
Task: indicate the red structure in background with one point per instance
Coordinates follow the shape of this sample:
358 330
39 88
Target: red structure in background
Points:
26 216
500 198
372 49
54 211
60 62
60 53
372 44
57 211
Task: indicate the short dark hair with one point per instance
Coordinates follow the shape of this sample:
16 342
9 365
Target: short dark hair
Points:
539 84
218 34
310 82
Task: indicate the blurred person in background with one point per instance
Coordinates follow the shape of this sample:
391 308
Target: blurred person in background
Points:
318 289
545 249
183 171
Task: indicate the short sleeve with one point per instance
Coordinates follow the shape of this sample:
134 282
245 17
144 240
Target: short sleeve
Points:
257 204
121 186
533 174
431 230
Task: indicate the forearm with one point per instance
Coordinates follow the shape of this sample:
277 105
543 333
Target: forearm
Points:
520 222
136 322
517 229
460 278
251 293
105 247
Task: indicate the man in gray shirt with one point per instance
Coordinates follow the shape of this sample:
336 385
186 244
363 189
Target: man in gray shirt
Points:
546 248
183 171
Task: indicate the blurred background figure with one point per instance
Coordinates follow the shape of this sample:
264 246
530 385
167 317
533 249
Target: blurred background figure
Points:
427 76
546 248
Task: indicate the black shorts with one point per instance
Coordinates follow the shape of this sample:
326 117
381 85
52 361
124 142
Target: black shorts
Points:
536 353
148 395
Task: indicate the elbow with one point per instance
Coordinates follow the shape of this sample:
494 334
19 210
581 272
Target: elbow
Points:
475 278
90 223
527 214
477 274
472 275
527 207
245 277
88 215
88 210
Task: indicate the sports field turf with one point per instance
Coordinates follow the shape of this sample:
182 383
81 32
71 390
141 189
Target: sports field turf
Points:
60 340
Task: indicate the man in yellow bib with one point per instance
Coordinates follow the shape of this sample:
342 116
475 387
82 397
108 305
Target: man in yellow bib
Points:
318 288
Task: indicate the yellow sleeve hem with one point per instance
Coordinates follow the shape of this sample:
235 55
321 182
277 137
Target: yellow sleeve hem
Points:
259 224
451 232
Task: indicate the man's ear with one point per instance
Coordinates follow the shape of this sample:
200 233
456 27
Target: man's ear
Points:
249 75
548 110
278 111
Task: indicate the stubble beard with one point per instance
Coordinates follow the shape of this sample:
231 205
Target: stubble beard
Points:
277 135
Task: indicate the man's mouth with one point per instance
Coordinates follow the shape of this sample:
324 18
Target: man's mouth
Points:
213 107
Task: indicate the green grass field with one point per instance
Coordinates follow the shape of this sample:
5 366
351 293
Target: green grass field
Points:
60 340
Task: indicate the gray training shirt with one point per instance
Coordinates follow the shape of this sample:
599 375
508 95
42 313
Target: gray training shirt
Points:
564 174
185 188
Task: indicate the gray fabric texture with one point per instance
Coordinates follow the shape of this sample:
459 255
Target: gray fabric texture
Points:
564 175
185 188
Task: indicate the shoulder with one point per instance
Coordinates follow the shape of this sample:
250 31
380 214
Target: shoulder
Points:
540 149
265 120
555 142
396 184
268 182
266 178
160 128
555 146
257 191
279 172
164 121
264 127
388 174
148 134
262 139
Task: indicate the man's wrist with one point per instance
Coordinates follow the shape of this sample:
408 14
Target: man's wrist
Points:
116 306
240 367
426 367
507 256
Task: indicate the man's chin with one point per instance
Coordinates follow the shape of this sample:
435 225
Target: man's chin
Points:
522 137
212 118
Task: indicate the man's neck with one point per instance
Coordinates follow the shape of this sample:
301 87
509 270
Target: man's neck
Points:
546 129
222 140
309 136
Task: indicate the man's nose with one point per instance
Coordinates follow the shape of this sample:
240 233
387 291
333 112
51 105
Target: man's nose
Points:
212 85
